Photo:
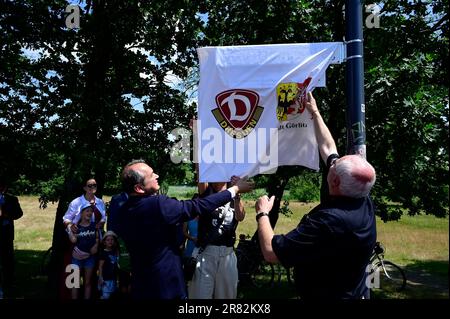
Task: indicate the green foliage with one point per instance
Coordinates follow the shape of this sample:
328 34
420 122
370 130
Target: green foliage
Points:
305 188
81 103
407 103
163 188
49 190
285 210
65 104
255 194
261 180
22 186
113 184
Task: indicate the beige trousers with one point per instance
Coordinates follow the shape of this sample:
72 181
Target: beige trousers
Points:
216 275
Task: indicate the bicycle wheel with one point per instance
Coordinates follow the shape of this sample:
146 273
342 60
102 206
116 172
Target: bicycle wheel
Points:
263 275
392 277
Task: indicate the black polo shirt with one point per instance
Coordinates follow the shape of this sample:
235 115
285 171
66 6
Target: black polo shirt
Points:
330 249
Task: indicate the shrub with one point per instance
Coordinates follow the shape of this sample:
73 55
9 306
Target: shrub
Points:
255 194
305 187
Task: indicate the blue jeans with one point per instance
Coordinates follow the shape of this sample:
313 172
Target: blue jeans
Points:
85 263
108 287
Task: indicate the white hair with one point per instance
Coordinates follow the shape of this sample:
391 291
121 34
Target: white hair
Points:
356 176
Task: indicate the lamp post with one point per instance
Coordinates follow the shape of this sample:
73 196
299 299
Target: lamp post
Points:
354 76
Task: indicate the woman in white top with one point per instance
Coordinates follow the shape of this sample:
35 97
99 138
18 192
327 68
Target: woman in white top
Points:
73 214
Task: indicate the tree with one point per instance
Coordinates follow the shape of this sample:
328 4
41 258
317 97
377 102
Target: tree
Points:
407 103
78 89
65 95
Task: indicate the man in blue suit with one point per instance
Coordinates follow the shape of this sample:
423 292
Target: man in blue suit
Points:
114 206
10 210
148 225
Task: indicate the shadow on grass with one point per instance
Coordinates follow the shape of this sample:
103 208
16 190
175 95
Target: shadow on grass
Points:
431 275
279 289
30 277
426 279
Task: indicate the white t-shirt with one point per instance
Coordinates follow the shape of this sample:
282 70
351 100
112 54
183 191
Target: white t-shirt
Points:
73 213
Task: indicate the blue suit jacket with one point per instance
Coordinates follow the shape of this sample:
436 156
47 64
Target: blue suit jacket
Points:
11 211
147 224
114 205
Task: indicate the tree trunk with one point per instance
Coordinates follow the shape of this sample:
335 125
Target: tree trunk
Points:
275 187
87 156
60 242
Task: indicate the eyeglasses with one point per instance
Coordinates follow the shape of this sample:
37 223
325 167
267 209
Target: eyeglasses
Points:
92 185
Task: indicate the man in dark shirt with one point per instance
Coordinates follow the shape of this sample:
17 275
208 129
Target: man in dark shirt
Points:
148 226
331 246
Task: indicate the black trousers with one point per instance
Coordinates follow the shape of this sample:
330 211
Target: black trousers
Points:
6 262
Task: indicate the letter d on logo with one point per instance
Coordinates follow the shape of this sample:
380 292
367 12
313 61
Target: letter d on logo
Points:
73 279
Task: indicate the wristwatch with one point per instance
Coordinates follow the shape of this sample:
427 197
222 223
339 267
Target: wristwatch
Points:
261 214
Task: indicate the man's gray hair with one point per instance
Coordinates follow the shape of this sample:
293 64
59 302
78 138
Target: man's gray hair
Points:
131 177
356 176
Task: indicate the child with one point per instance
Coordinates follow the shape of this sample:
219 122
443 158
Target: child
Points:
108 265
86 245
190 231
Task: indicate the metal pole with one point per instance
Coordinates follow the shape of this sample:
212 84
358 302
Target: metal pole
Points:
354 78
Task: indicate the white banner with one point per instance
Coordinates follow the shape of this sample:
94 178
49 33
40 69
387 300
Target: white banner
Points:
251 110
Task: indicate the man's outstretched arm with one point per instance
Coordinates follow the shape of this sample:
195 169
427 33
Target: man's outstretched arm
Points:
327 146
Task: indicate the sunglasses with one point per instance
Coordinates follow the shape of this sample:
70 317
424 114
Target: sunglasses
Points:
91 185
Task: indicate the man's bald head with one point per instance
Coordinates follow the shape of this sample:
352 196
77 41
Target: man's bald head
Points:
131 176
351 176
139 179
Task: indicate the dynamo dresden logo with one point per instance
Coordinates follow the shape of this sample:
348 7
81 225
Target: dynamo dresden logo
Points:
237 111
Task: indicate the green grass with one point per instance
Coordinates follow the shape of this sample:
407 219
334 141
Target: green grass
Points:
34 230
31 279
182 192
419 244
